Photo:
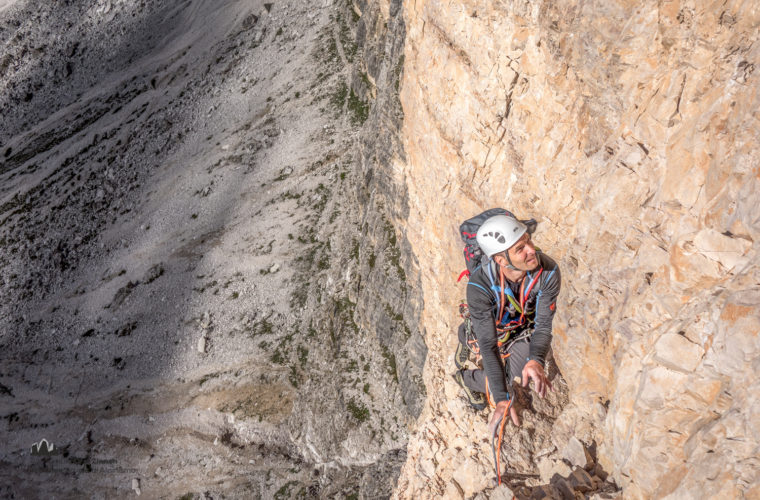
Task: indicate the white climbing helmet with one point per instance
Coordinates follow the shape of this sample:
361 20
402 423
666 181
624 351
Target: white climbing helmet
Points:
498 233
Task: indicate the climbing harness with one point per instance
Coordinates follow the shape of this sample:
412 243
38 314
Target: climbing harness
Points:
513 322
514 314
505 326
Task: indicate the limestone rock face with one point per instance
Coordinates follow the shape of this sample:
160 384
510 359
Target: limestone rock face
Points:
629 130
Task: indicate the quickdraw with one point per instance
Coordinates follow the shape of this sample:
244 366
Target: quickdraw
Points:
472 341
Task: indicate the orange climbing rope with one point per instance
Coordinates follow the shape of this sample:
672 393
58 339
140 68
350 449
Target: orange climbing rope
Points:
500 434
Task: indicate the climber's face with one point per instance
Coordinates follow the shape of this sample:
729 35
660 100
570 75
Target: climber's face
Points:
523 254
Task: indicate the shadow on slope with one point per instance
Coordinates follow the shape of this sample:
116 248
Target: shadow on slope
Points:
111 260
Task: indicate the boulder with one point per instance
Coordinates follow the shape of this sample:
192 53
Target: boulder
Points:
576 453
548 467
471 477
502 492
545 492
580 480
727 250
677 352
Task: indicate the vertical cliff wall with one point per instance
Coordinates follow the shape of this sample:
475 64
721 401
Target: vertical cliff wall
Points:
388 294
629 130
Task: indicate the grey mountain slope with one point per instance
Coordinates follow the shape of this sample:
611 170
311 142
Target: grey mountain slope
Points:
182 177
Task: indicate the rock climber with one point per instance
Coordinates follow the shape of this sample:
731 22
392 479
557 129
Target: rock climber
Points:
511 300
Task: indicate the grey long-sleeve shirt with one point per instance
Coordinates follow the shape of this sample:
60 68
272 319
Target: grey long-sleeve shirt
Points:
483 301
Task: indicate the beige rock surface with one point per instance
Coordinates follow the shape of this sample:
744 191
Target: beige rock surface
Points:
629 130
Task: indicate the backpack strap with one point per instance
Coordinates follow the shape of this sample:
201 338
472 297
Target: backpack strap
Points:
475 284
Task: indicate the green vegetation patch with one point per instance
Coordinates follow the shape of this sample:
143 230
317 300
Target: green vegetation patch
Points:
355 249
277 357
359 109
399 69
289 490
294 376
303 354
208 377
261 327
357 410
299 296
390 358
393 252
347 39
338 98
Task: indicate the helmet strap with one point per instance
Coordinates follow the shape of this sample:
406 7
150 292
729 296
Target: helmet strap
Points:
510 266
